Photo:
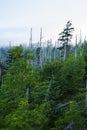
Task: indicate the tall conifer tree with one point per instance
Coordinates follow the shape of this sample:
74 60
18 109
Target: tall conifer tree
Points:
65 38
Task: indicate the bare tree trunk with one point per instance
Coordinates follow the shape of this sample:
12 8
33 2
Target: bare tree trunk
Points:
40 54
64 51
76 47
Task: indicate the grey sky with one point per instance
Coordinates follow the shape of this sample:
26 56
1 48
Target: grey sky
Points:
18 16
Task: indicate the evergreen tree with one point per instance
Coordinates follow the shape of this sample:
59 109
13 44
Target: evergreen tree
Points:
18 76
65 38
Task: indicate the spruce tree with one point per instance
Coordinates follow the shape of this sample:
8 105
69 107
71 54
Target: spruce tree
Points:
65 39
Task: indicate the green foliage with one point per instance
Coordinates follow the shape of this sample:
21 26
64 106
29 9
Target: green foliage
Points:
39 92
75 116
41 99
18 76
28 55
85 57
23 119
12 55
66 35
65 40
72 78
52 69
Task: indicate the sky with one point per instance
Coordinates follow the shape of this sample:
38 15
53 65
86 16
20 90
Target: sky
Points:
18 16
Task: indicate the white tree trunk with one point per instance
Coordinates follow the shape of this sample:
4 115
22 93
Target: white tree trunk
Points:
64 51
27 92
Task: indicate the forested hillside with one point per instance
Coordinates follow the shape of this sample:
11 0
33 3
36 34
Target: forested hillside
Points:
44 87
50 97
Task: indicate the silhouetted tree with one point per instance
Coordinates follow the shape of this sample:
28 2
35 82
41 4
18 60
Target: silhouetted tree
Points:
65 38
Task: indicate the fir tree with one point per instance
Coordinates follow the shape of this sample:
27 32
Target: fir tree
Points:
65 38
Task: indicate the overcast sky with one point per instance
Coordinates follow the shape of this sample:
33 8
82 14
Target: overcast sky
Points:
18 16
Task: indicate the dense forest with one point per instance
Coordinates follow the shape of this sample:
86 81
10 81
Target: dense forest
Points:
44 88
